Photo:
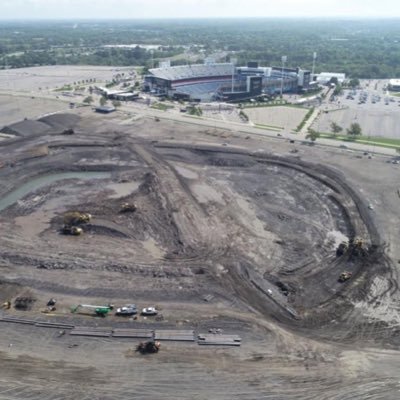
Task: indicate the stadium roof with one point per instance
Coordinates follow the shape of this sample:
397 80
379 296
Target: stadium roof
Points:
190 71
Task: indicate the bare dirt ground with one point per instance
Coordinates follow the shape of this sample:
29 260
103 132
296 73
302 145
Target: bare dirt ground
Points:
49 77
15 108
35 92
239 226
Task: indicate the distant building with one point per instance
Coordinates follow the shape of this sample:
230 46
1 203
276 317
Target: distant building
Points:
122 95
324 77
394 85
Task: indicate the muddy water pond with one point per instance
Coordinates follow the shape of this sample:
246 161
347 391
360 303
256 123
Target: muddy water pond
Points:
42 181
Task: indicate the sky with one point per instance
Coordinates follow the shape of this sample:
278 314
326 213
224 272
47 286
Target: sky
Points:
133 9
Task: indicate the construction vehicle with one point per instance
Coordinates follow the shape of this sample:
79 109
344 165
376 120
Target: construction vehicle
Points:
100 311
354 247
50 306
51 303
24 302
71 230
342 249
345 276
6 305
149 347
357 242
72 218
128 207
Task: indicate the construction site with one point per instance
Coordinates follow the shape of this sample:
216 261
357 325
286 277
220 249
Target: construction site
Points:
155 259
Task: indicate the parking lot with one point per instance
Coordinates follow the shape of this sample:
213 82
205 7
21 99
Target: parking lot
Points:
372 106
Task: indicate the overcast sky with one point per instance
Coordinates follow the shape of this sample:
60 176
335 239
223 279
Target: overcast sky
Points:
131 9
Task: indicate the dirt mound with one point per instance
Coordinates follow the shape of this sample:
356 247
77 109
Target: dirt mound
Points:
8 291
27 128
60 122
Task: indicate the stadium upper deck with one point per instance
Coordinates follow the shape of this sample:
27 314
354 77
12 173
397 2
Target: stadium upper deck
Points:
186 72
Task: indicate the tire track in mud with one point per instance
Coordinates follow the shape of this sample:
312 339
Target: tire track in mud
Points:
353 208
197 230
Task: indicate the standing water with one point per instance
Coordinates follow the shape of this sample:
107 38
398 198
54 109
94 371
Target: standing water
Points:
45 180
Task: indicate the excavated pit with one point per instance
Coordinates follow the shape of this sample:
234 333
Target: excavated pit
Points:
261 226
222 237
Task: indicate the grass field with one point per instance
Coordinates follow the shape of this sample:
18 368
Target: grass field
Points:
373 140
268 127
161 106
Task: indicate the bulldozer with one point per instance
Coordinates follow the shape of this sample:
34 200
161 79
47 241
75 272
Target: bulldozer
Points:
71 230
149 347
342 249
354 247
128 207
72 218
345 276
100 311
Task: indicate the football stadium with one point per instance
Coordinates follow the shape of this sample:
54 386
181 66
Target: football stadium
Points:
225 81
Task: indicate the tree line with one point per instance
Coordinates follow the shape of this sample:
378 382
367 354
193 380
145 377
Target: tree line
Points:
360 48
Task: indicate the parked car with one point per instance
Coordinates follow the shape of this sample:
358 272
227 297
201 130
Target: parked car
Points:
129 309
149 311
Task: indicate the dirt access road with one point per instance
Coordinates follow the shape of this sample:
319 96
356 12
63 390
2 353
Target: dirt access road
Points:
251 227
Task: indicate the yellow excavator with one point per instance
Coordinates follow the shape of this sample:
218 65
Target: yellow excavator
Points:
345 276
71 230
353 246
128 207
72 218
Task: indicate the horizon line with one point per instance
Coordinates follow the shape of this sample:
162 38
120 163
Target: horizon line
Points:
86 19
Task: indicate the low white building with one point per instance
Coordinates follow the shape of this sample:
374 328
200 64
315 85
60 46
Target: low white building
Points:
394 84
324 77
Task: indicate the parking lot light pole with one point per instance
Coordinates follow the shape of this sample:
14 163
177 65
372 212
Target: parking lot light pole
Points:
284 59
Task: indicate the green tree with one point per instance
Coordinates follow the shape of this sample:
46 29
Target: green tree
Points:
103 101
353 83
354 130
333 80
338 90
116 103
312 135
88 100
335 128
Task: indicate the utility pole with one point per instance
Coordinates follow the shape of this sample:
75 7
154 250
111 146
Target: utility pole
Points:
233 61
284 59
313 65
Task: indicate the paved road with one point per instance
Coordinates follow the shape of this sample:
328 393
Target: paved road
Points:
241 128
248 129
